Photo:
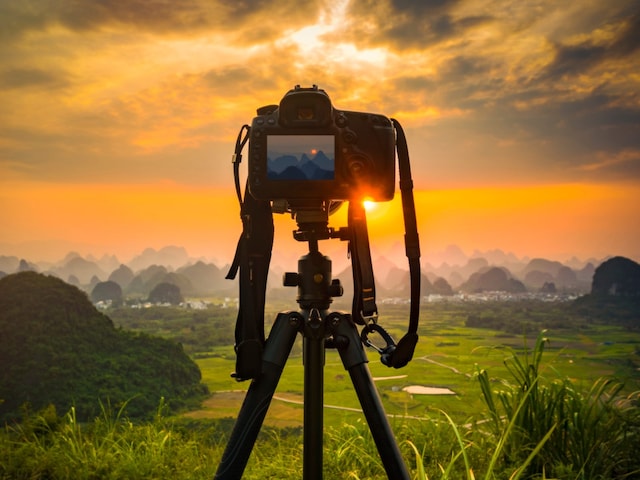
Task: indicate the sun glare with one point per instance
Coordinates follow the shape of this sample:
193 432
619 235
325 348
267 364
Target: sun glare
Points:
369 205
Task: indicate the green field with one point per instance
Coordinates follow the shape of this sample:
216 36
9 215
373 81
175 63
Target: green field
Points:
449 354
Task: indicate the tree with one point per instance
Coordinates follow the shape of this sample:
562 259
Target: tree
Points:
105 291
166 293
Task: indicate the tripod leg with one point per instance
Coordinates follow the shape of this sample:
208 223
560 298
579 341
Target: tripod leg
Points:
256 403
355 361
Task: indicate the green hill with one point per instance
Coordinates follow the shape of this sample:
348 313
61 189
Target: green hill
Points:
58 349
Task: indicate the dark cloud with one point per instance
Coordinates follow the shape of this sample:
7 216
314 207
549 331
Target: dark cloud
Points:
577 59
574 117
567 136
159 16
407 24
242 78
421 7
463 82
537 128
465 68
31 77
628 40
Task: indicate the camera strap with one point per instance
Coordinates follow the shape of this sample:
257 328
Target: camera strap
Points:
398 355
252 259
364 309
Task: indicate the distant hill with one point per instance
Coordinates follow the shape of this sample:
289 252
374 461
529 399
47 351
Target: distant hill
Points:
122 275
199 278
170 256
205 278
492 279
58 349
543 265
615 294
146 280
79 268
618 276
9 264
540 271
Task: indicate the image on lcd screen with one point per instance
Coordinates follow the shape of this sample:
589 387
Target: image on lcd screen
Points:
300 157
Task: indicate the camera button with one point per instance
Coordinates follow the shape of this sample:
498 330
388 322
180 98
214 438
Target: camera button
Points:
350 137
341 121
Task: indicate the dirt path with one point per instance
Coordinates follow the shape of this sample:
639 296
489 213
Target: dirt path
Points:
448 367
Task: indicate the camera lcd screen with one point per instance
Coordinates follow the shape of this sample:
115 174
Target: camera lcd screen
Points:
301 157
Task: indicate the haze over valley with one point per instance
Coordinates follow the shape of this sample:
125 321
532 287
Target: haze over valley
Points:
444 273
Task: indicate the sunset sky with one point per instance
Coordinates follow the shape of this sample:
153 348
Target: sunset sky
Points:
118 118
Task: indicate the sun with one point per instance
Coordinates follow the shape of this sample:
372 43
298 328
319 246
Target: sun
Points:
369 205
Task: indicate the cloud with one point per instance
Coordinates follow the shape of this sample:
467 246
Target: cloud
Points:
488 88
581 58
407 25
625 164
530 101
186 17
18 78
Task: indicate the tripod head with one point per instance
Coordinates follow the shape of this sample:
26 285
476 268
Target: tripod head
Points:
316 288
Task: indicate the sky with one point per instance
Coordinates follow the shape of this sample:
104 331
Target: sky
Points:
118 118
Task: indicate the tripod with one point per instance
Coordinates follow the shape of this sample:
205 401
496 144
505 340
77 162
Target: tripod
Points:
320 329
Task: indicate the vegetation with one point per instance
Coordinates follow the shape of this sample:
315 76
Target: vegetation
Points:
610 310
566 408
574 434
199 331
532 428
585 313
59 350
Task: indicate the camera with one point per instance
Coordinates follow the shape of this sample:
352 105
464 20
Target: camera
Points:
304 149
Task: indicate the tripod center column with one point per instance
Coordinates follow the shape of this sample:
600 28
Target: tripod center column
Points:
314 297
314 280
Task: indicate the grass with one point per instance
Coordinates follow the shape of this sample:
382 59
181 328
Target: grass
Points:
45 446
533 425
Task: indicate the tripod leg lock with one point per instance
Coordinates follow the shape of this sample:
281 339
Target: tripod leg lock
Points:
249 360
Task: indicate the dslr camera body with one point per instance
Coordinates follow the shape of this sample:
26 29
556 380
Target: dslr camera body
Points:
306 150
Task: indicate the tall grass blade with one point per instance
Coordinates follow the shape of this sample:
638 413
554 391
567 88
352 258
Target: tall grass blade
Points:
463 449
421 473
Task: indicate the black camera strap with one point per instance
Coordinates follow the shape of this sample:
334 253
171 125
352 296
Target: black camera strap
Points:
398 355
407 344
252 258
364 309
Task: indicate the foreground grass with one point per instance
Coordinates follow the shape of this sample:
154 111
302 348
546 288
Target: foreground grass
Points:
533 427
